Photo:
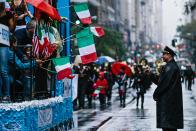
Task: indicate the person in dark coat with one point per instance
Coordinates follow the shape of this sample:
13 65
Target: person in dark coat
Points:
139 80
189 76
168 94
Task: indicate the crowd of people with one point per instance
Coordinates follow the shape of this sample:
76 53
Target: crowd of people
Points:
17 63
16 67
20 71
98 81
15 57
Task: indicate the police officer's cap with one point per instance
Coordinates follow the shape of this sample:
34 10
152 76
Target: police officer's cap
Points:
168 50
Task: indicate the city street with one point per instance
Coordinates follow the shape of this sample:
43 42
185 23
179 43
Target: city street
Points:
82 65
92 119
130 118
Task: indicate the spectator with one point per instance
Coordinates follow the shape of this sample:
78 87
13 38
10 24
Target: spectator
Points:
82 83
122 82
16 63
102 85
189 75
6 19
19 7
109 78
24 36
139 80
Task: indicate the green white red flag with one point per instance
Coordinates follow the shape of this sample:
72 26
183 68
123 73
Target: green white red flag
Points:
86 46
63 67
83 13
98 31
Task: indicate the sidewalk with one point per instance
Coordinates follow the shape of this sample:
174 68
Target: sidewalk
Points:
194 90
132 119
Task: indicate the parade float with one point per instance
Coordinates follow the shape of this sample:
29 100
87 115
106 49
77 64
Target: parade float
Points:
51 113
56 111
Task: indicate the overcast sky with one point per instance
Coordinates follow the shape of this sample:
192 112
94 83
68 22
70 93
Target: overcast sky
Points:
172 14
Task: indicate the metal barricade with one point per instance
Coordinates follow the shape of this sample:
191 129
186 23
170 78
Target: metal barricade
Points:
32 80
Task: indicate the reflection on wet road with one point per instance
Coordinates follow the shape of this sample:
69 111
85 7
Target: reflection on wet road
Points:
130 118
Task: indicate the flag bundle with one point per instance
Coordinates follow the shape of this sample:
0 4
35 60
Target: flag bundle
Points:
85 39
63 67
83 13
86 46
42 47
48 48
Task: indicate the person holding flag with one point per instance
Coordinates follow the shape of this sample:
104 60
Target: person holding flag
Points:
122 82
101 86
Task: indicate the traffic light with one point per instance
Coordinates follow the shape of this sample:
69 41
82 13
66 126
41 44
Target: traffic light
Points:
174 42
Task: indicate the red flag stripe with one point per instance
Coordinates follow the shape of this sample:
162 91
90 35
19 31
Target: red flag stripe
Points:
64 73
89 58
86 20
35 43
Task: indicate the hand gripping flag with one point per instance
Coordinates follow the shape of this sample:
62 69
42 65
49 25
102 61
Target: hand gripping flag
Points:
83 13
63 67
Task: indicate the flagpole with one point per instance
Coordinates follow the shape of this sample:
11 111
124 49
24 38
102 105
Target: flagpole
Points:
65 30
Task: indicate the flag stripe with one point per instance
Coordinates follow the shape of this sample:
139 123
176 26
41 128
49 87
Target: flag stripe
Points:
85 41
36 46
81 7
79 1
62 67
64 73
83 33
93 30
61 61
86 20
89 58
87 50
83 14
98 31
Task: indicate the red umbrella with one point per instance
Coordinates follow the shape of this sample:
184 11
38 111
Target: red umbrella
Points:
46 8
116 67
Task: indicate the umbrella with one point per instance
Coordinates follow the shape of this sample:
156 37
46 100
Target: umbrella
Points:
104 59
46 8
116 67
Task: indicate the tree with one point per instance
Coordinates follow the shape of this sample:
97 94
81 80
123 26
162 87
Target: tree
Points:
111 44
187 31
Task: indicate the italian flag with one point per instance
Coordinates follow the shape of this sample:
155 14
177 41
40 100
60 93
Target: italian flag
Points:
96 92
86 46
98 31
83 13
63 67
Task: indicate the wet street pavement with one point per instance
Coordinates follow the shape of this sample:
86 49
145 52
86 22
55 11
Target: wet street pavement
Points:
130 118
91 119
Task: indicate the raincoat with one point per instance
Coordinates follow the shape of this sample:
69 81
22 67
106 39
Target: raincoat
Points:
168 96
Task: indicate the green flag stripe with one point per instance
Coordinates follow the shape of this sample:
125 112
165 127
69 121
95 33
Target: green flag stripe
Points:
83 33
61 61
85 41
81 7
